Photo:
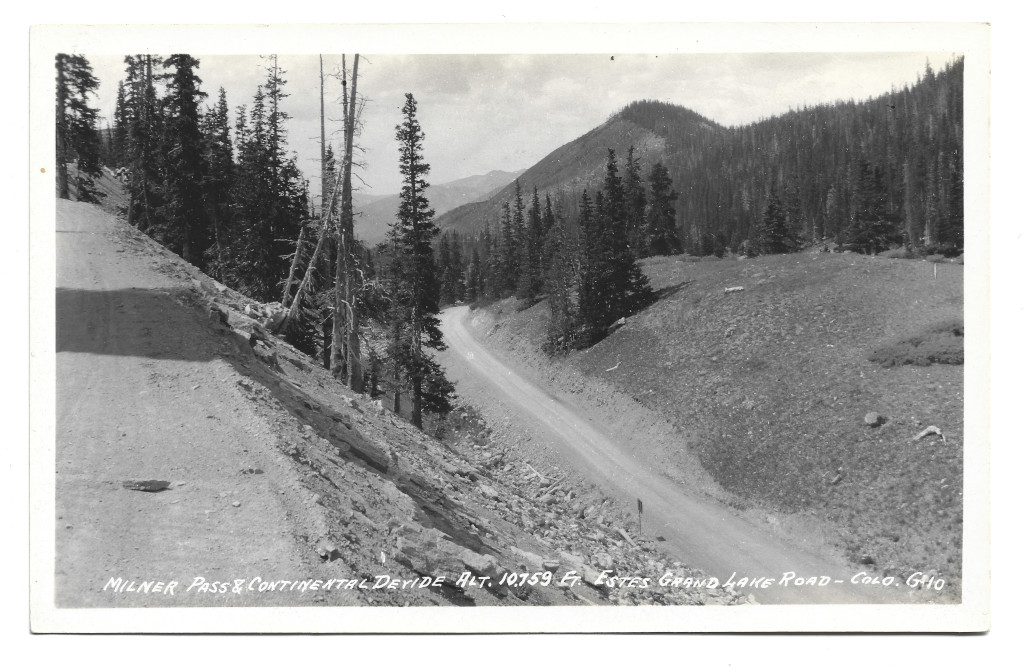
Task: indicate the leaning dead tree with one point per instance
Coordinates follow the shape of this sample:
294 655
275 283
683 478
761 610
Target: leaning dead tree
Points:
345 350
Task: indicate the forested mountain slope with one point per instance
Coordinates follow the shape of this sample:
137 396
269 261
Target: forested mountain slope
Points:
906 145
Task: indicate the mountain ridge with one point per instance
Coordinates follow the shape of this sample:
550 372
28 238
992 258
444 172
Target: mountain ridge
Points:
813 159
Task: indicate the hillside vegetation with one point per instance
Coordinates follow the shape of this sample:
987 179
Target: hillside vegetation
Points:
770 386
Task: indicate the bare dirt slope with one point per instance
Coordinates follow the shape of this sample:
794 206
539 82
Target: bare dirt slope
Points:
277 475
696 528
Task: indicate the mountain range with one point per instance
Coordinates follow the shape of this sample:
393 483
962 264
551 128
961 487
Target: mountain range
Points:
377 212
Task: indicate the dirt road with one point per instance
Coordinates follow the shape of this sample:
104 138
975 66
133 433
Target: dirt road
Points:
145 391
697 531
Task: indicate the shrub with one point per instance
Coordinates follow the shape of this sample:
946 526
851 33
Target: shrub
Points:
942 343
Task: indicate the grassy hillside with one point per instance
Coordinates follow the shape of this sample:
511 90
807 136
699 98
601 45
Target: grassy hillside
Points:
770 386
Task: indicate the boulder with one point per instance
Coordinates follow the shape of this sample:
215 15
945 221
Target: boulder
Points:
429 555
489 492
217 316
483 565
530 560
604 561
873 419
265 353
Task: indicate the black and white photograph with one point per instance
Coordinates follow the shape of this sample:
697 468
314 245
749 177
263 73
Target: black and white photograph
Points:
460 333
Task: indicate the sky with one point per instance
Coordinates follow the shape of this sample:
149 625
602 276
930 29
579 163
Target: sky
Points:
506 112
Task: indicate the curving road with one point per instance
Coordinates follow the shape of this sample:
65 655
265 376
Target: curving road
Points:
697 531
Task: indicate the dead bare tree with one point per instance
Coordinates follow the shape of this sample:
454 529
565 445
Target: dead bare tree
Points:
326 212
345 354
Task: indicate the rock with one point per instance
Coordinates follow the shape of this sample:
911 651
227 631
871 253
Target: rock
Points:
488 492
604 560
931 429
430 555
625 536
483 565
531 560
217 316
265 354
361 448
242 340
275 315
873 419
236 504
591 577
734 289
147 486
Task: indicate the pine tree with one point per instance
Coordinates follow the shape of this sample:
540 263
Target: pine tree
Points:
636 205
873 228
122 122
662 236
562 281
144 158
489 265
76 131
531 279
473 276
444 261
184 229
628 289
548 222
519 230
457 269
594 280
219 159
507 270
773 235
414 284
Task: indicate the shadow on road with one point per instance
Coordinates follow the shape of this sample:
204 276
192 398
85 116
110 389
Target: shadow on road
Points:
141 322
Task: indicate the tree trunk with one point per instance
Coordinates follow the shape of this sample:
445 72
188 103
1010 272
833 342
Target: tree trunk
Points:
63 191
396 404
346 356
294 268
326 330
355 368
293 310
339 337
